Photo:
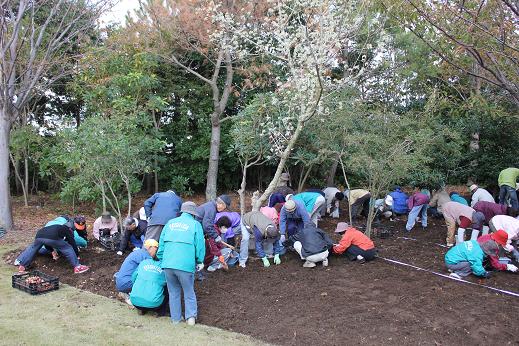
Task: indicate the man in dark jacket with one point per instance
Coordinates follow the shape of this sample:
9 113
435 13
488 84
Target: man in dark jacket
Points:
312 245
160 208
207 214
58 237
134 231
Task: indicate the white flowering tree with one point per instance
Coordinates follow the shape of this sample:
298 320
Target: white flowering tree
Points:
305 39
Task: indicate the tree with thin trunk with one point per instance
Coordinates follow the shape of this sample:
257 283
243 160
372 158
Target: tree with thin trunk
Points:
183 27
302 38
34 41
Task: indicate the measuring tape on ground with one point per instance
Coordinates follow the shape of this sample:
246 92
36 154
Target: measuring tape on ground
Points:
450 277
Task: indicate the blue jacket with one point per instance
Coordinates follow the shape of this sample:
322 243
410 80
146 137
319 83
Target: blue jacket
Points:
399 201
258 237
60 220
124 275
207 212
148 285
299 214
182 244
162 207
457 198
307 199
468 251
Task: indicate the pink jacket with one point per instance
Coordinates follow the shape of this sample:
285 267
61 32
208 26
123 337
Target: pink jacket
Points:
100 225
271 213
417 199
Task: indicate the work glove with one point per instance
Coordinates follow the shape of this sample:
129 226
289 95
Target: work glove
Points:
120 253
512 268
266 262
218 239
199 267
136 248
282 239
277 260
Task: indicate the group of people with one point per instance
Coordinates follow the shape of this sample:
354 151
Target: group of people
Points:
173 241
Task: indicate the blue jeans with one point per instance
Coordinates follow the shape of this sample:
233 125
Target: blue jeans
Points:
64 248
178 280
244 244
413 214
123 286
505 192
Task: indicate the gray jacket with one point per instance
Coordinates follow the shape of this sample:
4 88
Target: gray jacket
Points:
256 218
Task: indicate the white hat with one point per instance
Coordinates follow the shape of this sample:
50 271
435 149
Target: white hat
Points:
389 200
473 187
288 197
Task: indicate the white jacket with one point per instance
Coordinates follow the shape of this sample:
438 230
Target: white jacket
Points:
481 195
510 225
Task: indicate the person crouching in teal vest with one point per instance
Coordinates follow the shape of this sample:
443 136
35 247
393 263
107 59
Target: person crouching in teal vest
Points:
149 281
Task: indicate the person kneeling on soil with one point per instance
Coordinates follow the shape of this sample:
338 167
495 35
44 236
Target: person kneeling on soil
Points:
511 226
312 245
314 203
123 278
219 255
148 286
182 250
265 233
229 225
78 225
58 237
354 243
134 231
467 257
105 225
500 237
292 219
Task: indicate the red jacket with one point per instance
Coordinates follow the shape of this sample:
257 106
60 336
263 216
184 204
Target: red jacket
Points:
352 236
494 259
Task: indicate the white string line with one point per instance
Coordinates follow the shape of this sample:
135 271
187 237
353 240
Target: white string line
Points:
450 277
414 239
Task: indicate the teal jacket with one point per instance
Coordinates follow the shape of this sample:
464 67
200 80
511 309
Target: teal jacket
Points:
308 199
148 284
80 241
468 251
182 244
457 198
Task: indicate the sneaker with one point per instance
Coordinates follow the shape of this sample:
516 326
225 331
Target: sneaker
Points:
361 259
309 264
16 262
455 276
80 269
211 269
21 269
325 262
450 245
242 265
191 321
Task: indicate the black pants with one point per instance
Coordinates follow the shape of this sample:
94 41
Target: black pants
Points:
353 251
363 203
162 310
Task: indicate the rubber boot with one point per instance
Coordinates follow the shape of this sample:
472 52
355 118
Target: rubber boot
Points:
474 235
461 236
485 230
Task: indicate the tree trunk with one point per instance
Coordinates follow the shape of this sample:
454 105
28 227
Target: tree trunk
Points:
302 182
241 191
330 181
26 180
214 156
371 216
156 175
17 182
348 187
19 178
6 219
281 166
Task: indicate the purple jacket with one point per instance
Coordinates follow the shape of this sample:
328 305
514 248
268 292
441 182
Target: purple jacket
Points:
490 209
235 222
417 199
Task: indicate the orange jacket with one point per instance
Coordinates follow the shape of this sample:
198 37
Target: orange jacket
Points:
352 236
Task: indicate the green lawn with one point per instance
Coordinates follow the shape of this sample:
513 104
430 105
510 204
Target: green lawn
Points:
69 316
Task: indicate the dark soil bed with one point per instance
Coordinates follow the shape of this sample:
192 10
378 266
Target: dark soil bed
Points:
346 303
